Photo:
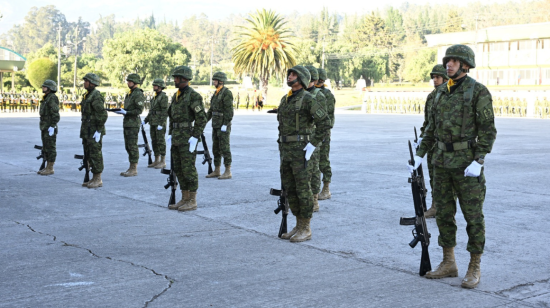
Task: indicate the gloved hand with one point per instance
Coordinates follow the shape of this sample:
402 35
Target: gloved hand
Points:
97 136
142 122
51 130
417 162
193 144
473 170
159 127
224 128
169 140
309 150
122 111
416 145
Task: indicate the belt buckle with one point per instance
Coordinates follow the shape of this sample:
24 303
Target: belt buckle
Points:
449 147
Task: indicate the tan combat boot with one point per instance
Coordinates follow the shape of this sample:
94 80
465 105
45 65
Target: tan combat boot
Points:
431 212
125 172
288 235
132 171
155 163
162 162
304 232
325 192
96 181
191 204
216 173
316 203
447 267
184 199
48 170
226 174
473 275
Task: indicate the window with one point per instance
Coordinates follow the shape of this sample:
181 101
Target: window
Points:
525 45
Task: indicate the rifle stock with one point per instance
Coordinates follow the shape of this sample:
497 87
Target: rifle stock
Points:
171 181
84 165
145 146
282 206
206 158
41 155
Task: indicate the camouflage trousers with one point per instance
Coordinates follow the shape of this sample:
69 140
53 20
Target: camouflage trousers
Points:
431 171
184 166
131 143
296 180
158 140
324 162
220 146
315 172
92 150
471 195
49 145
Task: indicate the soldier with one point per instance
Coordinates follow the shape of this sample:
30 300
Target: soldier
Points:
186 108
439 77
247 100
133 107
297 114
221 114
158 113
313 164
324 162
49 117
238 99
462 130
92 128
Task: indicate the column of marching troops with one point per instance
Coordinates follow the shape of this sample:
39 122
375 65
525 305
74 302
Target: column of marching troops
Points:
457 133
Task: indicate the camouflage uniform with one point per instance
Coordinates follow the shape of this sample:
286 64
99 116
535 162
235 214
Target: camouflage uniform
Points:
157 116
324 162
49 117
94 117
221 113
133 104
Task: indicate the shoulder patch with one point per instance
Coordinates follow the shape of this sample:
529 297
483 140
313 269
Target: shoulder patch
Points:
198 108
140 103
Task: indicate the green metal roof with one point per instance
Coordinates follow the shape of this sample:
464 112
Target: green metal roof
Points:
10 59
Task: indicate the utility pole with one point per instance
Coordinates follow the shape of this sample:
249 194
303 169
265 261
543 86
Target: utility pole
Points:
59 56
211 57
75 57
323 59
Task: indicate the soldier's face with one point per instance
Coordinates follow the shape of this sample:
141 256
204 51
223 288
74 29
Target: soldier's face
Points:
320 82
86 84
292 76
452 66
156 88
130 84
45 90
180 82
438 80
215 83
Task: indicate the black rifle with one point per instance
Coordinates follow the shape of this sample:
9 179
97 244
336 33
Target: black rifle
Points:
206 153
282 206
84 165
112 109
420 231
172 181
145 146
41 155
420 170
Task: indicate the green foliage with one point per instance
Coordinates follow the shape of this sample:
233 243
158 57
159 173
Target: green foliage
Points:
419 67
453 24
40 70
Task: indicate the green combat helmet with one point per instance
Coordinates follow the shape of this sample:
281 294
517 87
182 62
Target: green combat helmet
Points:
92 78
219 76
303 75
439 70
50 84
159 83
313 72
134 78
322 74
183 71
462 53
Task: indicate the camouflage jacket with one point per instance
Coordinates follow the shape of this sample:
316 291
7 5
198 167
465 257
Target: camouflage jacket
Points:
159 110
331 104
427 108
94 115
320 98
185 109
446 121
221 108
312 118
133 104
49 112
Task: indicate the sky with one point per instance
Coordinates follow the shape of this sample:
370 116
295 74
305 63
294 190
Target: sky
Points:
14 12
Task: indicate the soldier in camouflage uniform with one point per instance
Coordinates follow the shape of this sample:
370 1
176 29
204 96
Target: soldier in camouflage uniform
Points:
324 161
439 77
462 131
158 113
299 116
92 128
49 117
187 122
133 107
221 114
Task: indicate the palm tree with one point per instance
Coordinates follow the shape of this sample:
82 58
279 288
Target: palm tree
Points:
264 47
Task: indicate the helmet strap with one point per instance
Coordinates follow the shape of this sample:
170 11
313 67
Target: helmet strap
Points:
291 83
458 72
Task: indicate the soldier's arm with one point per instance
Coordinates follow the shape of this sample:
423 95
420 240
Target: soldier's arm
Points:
137 109
321 119
227 107
485 122
163 106
426 110
200 114
331 106
54 110
428 137
97 106
168 111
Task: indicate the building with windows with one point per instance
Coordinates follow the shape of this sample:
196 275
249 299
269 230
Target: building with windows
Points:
10 61
505 55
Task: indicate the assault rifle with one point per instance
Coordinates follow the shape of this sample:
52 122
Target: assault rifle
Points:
282 206
420 170
172 181
145 146
84 165
206 153
112 109
41 155
420 231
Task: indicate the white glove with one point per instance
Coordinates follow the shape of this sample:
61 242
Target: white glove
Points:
417 162
121 111
159 127
169 140
51 130
309 150
416 145
97 136
224 128
473 170
193 144
142 122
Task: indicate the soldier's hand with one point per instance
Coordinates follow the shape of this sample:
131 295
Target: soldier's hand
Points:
224 128
473 170
142 122
417 163
193 144
416 145
309 150
121 111
159 127
97 136
51 130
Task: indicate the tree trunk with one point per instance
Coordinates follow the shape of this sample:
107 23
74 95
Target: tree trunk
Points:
265 82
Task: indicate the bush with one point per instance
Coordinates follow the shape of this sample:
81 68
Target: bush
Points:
40 70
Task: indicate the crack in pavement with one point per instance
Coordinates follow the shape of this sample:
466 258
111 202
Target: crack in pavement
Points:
146 304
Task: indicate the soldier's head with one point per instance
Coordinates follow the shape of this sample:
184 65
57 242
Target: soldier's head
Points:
91 81
158 85
322 76
49 86
298 77
314 75
182 75
458 61
133 80
219 79
439 75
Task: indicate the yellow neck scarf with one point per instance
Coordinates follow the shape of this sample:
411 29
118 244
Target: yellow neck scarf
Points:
319 86
178 94
289 93
218 89
450 83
